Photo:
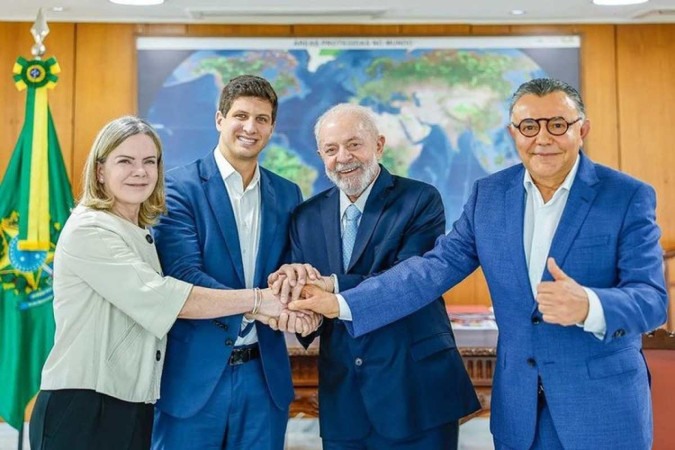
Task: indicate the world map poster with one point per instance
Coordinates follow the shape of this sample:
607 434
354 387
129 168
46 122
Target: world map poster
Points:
441 103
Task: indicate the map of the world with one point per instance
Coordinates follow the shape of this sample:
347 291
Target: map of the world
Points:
441 103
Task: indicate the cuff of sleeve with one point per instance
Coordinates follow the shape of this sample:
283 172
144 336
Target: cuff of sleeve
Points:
336 285
595 321
345 312
171 307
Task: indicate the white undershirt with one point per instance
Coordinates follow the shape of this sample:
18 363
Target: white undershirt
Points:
246 207
540 224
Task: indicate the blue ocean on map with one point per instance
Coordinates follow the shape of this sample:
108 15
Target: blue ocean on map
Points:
443 112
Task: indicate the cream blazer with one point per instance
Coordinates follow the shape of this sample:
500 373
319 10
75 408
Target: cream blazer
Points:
113 309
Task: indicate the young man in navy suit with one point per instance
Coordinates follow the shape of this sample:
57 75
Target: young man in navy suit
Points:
570 251
227 382
404 386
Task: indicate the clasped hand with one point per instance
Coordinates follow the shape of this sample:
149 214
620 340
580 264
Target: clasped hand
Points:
274 313
274 310
303 288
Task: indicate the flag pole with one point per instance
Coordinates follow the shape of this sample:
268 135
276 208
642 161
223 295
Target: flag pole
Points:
39 30
20 446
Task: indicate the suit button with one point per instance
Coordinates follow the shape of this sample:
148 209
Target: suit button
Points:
158 355
358 362
618 333
229 342
536 320
221 325
531 362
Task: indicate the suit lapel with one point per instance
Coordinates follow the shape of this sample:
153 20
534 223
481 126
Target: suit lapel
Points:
330 219
371 214
216 193
514 216
578 204
268 227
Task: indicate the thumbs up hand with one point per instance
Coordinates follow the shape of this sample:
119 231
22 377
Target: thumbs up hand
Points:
561 301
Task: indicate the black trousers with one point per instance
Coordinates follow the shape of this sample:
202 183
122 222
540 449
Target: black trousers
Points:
82 419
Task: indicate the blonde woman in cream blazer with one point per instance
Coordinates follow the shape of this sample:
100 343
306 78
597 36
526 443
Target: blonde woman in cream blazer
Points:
112 306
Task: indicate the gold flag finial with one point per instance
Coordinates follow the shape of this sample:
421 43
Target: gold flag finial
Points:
39 30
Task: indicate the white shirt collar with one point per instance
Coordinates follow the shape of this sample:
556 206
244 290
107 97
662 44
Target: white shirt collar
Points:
231 176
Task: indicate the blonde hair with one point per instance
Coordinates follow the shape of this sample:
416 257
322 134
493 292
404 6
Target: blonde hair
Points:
108 139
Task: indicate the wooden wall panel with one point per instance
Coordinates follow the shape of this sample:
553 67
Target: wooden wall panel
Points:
105 86
646 77
230 30
598 88
311 30
17 41
627 78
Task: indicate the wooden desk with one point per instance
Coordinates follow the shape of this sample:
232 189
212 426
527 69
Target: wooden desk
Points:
479 362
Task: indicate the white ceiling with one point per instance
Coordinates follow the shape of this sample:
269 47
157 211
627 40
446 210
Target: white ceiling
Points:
342 11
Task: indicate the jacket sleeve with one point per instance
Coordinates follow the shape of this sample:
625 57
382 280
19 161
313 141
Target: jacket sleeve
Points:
177 240
418 280
638 303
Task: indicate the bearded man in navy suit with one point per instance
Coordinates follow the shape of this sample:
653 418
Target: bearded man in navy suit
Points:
404 386
570 251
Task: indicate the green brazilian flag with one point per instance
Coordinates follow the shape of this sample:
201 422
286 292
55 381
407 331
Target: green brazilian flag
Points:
35 201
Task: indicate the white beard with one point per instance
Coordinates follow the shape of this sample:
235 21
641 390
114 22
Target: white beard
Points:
353 187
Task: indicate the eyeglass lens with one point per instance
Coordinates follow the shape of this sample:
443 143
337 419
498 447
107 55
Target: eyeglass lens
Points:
557 126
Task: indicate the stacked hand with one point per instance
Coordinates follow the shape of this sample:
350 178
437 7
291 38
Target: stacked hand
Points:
274 310
290 279
274 313
305 289
290 283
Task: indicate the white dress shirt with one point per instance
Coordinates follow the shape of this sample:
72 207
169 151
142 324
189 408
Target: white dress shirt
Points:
360 203
246 207
540 223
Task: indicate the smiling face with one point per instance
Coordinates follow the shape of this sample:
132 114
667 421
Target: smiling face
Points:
350 153
548 158
129 174
244 130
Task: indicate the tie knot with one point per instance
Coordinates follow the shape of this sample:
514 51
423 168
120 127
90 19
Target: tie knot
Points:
352 212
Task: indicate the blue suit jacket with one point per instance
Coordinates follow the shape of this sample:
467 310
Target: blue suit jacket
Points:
197 241
607 240
411 377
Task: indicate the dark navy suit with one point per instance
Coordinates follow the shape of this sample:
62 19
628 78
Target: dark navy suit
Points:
197 242
597 391
404 378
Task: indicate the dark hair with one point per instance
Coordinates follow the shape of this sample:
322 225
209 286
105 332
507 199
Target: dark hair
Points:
247 86
544 86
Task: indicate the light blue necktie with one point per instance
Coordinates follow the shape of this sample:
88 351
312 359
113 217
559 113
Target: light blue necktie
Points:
352 215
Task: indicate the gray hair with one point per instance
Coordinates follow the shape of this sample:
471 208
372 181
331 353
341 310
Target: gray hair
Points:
366 119
545 86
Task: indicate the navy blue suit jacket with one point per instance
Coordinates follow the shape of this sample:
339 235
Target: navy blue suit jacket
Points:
197 242
406 377
607 240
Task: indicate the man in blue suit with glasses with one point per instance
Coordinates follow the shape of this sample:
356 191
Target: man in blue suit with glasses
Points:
570 251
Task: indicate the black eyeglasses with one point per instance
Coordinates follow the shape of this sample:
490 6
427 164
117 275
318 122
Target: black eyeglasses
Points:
557 126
